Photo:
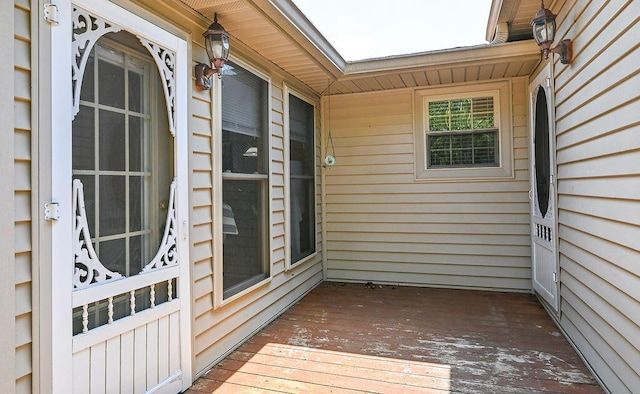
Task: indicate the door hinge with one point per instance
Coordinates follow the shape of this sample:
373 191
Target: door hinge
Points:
555 277
51 211
51 14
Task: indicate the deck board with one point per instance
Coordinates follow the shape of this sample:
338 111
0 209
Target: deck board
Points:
351 338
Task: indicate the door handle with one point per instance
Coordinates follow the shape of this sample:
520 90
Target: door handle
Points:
531 194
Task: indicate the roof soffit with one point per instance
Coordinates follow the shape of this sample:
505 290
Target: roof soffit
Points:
277 30
517 14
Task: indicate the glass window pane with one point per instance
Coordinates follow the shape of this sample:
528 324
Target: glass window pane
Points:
244 122
244 99
482 104
83 139
244 260
302 219
138 254
87 90
438 142
460 106
461 122
461 141
484 139
301 158
113 255
135 91
468 148
112 205
136 144
242 153
111 80
112 141
483 121
438 108
438 116
440 158
89 188
484 156
136 202
460 157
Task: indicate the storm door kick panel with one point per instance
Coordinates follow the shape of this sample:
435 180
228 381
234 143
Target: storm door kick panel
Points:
543 192
130 293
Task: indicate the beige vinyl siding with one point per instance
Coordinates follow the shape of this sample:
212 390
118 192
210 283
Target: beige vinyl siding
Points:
217 331
7 196
598 154
18 265
384 226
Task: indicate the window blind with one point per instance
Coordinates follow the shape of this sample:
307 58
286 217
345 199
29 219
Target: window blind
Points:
242 99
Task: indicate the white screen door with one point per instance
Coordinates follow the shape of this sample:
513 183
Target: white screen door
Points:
543 191
124 164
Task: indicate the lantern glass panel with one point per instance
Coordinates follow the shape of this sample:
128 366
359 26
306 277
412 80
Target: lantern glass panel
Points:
217 46
544 31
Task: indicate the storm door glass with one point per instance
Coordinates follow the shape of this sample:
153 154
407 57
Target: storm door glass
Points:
122 153
542 156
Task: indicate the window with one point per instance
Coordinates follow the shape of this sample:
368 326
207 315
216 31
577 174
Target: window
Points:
123 153
463 131
245 179
301 214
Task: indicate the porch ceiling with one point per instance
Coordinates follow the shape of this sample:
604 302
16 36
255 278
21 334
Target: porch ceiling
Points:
454 65
277 30
299 49
517 14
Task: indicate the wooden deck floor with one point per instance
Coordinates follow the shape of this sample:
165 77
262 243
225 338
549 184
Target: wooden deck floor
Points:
347 338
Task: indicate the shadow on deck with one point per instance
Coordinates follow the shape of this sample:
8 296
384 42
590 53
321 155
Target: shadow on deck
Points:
346 338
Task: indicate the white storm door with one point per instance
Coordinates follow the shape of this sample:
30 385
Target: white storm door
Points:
543 191
121 287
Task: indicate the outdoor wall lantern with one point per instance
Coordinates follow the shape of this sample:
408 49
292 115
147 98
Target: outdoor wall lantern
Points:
216 41
544 32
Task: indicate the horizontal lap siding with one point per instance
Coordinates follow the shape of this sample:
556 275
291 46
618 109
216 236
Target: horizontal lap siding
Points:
598 142
20 175
385 227
218 331
201 235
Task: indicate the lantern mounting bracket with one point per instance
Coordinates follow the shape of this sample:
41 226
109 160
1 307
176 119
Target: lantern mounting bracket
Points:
203 76
564 49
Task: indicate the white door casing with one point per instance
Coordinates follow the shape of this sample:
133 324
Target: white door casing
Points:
544 222
149 350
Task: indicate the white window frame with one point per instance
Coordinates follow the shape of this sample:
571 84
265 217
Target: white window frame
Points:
501 91
218 265
289 264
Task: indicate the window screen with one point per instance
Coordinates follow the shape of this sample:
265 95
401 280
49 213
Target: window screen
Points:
462 133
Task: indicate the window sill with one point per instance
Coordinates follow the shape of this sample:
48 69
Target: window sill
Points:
292 266
244 292
463 174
